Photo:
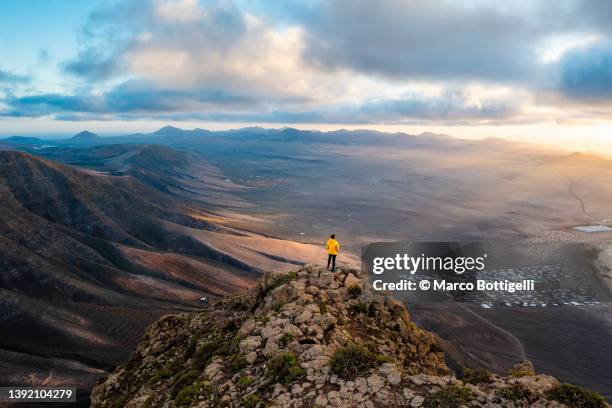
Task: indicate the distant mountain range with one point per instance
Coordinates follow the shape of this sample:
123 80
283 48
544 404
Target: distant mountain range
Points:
170 135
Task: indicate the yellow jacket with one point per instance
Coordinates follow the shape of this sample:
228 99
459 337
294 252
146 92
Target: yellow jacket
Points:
333 247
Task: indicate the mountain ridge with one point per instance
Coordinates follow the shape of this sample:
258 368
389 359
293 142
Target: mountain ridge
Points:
312 338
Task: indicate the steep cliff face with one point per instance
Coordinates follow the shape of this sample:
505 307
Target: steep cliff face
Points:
304 339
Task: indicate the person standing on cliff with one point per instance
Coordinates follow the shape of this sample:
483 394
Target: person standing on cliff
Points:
333 247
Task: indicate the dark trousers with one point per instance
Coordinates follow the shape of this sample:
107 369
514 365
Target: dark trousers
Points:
331 259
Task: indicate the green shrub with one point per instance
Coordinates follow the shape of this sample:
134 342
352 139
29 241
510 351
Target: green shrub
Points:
148 403
358 308
230 325
253 401
262 318
189 394
204 354
476 375
349 361
237 362
576 397
451 396
284 368
517 392
522 369
192 346
245 381
185 379
285 339
231 347
169 370
121 402
238 302
354 291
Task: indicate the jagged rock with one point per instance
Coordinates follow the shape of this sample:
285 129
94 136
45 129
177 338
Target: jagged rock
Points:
250 343
325 279
417 401
351 280
539 383
278 390
375 383
285 353
251 357
392 373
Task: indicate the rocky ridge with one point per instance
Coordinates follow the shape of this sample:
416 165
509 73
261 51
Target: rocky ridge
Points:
312 338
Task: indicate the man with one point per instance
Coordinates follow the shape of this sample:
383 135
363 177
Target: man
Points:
333 247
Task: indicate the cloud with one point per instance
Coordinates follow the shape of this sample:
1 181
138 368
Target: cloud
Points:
134 100
333 61
130 97
9 78
437 39
586 73
93 65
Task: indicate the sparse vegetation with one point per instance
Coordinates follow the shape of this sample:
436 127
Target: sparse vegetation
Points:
204 354
239 302
263 318
253 401
245 381
280 280
575 397
148 403
237 362
358 308
192 346
451 396
476 375
230 347
169 370
185 379
284 368
354 291
230 325
349 361
189 394
522 369
285 339
120 402
517 392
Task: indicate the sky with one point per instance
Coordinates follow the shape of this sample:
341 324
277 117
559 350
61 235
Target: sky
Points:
534 70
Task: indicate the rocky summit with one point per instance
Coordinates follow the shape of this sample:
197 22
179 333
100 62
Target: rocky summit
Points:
312 338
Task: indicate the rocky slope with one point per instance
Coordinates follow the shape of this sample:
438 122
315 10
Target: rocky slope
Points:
311 338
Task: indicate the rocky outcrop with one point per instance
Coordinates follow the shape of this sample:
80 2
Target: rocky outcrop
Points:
310 338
